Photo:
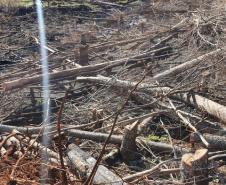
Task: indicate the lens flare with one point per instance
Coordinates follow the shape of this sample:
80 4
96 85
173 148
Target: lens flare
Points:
44 62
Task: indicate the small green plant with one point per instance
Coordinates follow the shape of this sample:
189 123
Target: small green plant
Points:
153 137
123 1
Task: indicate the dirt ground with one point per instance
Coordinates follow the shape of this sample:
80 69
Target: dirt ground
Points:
112 32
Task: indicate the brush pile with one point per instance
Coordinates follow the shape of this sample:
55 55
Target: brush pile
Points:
137 93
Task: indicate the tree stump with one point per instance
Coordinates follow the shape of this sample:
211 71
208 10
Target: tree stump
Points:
83 51
128 149
195 167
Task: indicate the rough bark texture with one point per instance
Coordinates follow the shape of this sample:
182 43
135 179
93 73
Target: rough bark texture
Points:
195 167
128 148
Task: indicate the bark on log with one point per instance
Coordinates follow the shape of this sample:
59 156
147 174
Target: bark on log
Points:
215 109
215 142
195 168
84 162
94 136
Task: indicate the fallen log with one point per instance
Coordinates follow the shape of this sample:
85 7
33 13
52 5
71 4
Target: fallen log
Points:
84 163
215 142
117 139
19 83
26 130
215 109
95 136
185 66
22 82
162 147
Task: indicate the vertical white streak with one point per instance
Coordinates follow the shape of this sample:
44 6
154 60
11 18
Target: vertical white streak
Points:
44 61
45 80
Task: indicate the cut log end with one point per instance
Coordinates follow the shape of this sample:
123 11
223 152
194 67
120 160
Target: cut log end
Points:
195 167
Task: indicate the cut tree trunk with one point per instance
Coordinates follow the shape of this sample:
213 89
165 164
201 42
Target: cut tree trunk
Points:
128 149
195 167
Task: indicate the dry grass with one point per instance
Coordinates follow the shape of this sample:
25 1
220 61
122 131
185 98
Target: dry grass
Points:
10 3
15 3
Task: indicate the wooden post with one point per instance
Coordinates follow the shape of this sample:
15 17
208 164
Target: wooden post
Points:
195 167
83 51
128 149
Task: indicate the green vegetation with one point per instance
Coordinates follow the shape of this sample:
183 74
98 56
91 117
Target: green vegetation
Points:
153 137
123 1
